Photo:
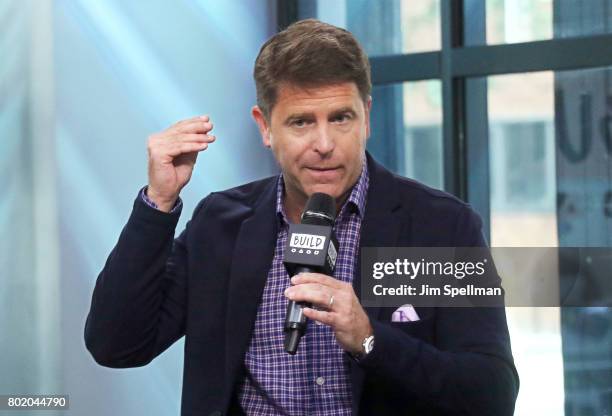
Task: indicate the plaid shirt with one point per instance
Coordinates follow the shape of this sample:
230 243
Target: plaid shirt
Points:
315 381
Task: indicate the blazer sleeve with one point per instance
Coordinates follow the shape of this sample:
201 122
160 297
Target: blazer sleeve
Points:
138 305
469 370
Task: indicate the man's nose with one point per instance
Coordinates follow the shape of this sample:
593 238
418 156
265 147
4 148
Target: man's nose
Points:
324 143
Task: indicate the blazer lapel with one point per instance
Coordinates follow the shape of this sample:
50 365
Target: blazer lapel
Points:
382 226
251 261
383 222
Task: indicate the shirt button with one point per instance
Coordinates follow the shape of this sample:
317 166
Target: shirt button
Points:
320 381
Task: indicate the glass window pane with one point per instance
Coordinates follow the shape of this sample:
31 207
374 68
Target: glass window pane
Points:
523 213
423 137
382 27
420 25
522 156
580 18
513 21
407 129
583 128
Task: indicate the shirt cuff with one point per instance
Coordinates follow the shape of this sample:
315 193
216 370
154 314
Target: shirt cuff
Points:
143 195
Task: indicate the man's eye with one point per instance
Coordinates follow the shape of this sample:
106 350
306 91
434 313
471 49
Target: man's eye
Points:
342 118
299 123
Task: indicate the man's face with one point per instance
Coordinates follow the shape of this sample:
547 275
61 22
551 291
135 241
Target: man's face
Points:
318 136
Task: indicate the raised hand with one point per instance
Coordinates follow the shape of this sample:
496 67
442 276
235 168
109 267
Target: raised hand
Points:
172 156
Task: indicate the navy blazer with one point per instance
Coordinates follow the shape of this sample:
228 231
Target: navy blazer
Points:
207 285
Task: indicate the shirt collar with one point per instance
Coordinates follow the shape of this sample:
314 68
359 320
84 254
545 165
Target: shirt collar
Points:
355 202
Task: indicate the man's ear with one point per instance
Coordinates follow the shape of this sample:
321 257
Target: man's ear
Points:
262 123
368 108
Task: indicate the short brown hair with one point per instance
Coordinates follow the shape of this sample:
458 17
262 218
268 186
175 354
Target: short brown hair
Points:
309 53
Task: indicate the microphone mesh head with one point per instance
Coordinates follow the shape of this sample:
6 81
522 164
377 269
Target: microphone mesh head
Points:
320 210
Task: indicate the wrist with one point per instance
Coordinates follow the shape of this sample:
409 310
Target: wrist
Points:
162 204
362 344
366 347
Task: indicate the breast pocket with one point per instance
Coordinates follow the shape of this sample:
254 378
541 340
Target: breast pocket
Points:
422 329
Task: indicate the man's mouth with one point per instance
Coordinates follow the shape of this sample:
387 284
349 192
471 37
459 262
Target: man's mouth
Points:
323 169
324 174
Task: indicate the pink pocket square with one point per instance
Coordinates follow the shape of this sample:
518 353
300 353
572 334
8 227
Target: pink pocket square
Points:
405 313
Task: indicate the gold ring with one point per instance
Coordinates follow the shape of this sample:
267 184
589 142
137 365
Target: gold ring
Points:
331 301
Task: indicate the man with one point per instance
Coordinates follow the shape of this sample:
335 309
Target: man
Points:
222 283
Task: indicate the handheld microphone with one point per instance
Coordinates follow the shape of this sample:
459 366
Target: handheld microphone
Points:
311 247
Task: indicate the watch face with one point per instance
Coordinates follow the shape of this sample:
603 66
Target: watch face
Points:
368 344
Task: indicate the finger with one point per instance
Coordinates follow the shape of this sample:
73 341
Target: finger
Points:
166 142
191 119
317 278
196 126
312 293
182 148
327 318
187 138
